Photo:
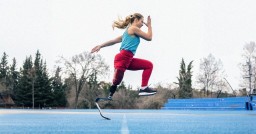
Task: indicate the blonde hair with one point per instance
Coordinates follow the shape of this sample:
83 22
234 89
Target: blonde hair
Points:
122 24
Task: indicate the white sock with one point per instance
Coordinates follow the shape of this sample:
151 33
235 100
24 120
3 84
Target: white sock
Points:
143 87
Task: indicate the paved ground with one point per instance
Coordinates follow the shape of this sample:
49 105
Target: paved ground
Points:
127 122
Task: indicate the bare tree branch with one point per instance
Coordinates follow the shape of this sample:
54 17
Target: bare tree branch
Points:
210 73
80 67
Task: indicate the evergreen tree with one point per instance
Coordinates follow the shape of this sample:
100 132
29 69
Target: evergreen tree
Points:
14 75
185 81
42 87
3 67
24 91
34 88
37 77
4 72
47 88
59 90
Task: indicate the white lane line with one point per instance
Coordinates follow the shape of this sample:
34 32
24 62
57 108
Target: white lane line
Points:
124 128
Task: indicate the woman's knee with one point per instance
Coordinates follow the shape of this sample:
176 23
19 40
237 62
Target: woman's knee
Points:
150 65
118 76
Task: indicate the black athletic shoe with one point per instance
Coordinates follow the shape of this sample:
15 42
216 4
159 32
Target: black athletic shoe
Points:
147 91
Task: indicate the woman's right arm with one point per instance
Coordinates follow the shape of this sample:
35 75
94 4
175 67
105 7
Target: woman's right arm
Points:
108 43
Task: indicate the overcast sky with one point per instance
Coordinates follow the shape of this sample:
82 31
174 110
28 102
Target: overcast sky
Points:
189 29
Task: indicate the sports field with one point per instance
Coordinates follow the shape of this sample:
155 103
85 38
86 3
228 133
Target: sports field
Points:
126 122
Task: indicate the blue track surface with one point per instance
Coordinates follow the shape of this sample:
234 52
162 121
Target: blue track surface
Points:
127 122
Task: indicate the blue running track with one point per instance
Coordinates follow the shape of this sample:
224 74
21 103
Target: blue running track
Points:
126 122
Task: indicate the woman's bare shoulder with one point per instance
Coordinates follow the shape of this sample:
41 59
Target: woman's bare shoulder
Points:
132 30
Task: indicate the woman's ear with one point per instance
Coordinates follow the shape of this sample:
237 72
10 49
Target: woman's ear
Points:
136 20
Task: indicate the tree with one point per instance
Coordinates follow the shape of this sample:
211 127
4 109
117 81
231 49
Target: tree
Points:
248 70
210 74
4 72
59 90
24 93
81 67
91 90
184 80
41 82
34 88
4 66
14 75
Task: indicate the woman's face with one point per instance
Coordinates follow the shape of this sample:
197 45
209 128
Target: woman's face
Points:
139 23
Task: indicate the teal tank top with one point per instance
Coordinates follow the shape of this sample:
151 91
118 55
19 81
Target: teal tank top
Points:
129 42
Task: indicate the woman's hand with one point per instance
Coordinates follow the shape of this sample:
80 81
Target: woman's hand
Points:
108 43
145 35
96 49
148 24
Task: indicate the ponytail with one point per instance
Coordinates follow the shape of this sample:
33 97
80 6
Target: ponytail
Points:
122 24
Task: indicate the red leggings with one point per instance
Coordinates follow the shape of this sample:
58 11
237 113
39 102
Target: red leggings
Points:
125 61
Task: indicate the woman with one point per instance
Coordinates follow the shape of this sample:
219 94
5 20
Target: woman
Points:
124 60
